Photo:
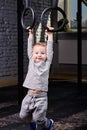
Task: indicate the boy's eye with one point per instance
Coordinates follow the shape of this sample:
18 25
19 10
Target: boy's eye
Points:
42 53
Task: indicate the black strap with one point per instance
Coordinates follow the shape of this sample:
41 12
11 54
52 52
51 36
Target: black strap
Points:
27 3
55 3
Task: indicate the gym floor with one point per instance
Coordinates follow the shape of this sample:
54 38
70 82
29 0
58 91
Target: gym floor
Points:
67 107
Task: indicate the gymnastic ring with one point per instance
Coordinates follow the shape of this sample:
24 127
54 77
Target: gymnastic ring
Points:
33 18
51 9
85 2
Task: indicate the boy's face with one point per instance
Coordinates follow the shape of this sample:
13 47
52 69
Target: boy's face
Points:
39 53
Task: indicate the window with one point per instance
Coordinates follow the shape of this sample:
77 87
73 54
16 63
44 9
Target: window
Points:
70 7
73 15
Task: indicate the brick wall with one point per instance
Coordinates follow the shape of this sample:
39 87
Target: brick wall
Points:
9 41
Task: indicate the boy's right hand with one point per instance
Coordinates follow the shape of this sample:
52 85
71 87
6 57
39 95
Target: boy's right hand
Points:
31 33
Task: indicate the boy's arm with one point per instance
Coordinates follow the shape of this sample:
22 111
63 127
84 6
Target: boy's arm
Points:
50 46
30 43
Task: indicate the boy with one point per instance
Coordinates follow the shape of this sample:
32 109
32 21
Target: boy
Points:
34 104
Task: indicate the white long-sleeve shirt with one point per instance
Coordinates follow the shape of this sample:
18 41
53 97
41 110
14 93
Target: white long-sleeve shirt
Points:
38 72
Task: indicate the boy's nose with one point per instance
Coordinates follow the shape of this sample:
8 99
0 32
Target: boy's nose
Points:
39 54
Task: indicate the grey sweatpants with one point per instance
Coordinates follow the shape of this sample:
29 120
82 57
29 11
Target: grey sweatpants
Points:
34 108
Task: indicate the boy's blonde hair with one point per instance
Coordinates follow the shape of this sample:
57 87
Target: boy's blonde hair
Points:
40 44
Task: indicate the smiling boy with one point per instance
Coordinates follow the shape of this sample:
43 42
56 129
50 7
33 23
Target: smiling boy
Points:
34 104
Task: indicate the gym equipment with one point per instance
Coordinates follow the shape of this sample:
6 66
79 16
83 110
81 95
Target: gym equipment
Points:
28 10
25 13
85 2
51 9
